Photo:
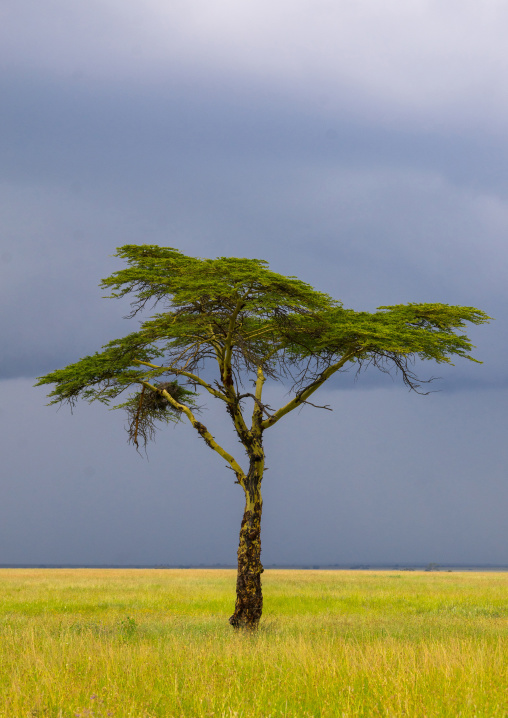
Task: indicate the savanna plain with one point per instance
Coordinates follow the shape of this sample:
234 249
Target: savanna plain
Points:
147 643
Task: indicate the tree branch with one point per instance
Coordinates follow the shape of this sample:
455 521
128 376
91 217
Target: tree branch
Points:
303 395
228 345
203 432
188 375
316 406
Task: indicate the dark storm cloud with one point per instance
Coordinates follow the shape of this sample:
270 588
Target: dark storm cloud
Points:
53 127
398 215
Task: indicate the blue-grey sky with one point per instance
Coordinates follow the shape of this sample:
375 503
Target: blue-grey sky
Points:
360 147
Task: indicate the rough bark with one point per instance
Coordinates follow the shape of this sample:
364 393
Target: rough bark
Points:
249 597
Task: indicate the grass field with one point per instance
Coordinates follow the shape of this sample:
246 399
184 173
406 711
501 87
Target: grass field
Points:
145 643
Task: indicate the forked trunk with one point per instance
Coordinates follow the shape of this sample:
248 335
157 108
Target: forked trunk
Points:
249 598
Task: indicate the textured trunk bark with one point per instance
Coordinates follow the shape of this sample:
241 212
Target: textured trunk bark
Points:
249 598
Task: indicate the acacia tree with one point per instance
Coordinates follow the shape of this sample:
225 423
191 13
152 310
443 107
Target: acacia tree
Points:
240 323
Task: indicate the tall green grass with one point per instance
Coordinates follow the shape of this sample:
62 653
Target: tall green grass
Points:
156 643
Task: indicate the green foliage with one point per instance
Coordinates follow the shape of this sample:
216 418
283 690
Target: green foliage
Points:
157 273
426 331
246 319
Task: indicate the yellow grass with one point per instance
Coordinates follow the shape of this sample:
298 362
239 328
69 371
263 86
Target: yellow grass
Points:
146 643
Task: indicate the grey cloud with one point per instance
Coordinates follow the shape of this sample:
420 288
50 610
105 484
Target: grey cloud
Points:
370 216
51 126
425 64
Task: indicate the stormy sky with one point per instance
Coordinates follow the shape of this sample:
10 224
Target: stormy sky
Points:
360 146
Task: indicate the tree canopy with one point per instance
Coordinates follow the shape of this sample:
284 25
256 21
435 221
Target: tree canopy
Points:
241 314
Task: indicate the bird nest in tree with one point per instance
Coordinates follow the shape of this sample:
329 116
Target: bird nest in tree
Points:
148 406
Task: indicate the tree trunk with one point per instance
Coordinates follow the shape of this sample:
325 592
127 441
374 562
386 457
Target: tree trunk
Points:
249 598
